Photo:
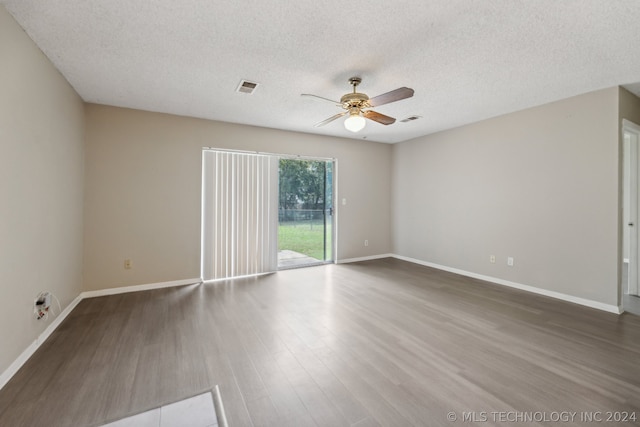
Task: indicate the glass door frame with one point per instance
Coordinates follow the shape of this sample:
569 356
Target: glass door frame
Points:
331 201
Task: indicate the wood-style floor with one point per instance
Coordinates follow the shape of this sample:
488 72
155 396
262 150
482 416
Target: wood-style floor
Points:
374 343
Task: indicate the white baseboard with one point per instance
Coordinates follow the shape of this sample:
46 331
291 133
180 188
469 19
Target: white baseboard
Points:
138 288
28 352
364 258
557 295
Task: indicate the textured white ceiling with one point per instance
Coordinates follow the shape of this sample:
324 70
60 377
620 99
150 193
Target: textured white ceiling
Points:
467 60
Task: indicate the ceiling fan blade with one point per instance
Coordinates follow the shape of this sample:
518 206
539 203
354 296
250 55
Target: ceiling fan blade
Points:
380 118
320 97
394 95
330 119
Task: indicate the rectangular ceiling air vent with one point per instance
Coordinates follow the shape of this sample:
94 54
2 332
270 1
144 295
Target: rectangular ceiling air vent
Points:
247 87
410 118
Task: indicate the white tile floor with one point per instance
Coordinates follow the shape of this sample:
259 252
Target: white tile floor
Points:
197 411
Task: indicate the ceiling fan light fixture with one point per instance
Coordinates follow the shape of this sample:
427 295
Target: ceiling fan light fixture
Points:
355 122
355 102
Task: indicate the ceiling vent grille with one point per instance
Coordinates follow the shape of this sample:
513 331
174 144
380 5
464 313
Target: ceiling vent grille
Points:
247 87
410 119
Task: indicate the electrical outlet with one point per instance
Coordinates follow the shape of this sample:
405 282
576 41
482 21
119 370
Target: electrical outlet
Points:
366 243
510 261
42 305
492 259
43 301
127 264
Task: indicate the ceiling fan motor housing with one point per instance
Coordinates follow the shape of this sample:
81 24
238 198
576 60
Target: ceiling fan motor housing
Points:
354 100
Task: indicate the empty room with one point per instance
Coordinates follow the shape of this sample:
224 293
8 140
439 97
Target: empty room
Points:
219 213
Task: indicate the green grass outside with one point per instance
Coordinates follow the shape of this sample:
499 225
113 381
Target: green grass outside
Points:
304 237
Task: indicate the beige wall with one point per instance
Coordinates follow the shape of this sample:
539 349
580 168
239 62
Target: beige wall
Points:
41 175
540 185
143 183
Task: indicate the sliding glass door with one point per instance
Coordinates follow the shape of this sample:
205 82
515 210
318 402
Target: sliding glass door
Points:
305 215
263 212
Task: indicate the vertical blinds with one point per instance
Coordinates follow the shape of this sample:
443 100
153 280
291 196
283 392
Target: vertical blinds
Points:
239 214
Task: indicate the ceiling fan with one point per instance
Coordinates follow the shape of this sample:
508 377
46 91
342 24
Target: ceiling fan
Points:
357 106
